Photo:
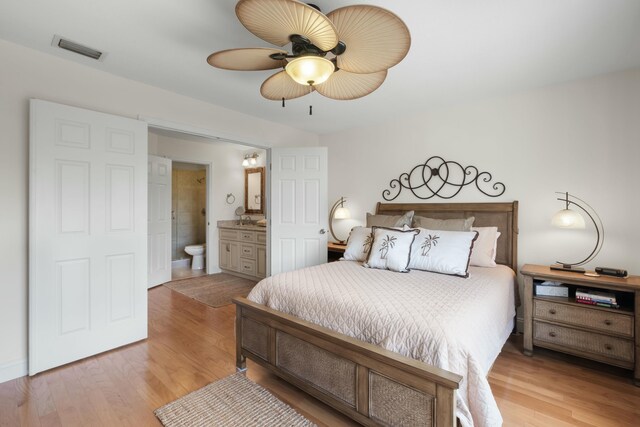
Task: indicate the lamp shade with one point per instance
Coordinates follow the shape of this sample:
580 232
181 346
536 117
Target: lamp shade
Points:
566 218
310 70
342 213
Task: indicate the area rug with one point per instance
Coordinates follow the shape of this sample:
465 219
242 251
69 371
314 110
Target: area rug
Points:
215 290
232 401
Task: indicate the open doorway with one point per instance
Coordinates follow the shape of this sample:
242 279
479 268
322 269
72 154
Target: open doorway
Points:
208 186
188 220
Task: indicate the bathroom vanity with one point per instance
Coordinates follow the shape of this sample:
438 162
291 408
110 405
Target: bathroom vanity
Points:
242 249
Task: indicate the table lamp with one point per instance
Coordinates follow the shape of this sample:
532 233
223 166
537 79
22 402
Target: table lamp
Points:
572 219
338 211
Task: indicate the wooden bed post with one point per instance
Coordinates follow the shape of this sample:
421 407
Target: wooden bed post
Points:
241 360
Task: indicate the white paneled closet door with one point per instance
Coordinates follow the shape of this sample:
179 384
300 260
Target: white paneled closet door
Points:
87 233
159 224
299 211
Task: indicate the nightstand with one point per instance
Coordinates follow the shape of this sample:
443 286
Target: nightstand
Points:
335 251
603 334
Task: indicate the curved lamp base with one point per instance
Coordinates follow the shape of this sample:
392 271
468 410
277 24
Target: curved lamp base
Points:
566 267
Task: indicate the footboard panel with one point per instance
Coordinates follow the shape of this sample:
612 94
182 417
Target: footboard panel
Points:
367 383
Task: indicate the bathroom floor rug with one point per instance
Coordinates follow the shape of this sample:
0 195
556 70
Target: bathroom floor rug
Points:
215 290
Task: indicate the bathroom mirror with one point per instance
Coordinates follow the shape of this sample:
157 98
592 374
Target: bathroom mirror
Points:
254 190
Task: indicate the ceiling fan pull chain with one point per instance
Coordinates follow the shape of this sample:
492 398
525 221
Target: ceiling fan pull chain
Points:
311 110
282 102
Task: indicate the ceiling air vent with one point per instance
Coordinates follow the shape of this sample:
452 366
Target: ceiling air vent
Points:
74 47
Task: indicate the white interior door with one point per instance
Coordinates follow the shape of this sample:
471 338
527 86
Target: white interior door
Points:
87 233
159 220
299 219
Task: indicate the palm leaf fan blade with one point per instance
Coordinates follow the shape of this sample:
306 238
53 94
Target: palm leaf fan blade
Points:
275 20
249 59
280 85
376 39
343 85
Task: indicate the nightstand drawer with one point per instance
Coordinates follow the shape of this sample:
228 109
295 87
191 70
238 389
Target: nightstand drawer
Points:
584 343
247 251
587 317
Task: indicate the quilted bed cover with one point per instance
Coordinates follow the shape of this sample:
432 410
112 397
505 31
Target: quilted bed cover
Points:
457 324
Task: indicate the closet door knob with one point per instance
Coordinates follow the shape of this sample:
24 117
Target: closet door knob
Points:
322 231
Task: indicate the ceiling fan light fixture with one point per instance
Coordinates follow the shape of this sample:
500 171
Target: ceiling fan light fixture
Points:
310 70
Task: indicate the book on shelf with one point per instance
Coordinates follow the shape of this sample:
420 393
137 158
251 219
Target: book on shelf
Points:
599 298
598 304
596 295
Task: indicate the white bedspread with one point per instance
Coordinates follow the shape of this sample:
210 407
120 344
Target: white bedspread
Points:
456 324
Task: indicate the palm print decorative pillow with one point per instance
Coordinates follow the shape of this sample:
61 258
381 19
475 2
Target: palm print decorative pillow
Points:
358 245
391 249
439 251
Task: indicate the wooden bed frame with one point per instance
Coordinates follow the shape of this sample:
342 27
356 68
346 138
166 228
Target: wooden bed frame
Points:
371 385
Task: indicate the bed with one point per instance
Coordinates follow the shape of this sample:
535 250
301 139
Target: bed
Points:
402 376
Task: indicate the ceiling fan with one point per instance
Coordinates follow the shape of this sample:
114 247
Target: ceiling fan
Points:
342 55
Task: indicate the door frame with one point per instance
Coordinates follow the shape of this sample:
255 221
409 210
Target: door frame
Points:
162 124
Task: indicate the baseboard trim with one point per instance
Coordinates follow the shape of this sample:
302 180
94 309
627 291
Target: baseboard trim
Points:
12 370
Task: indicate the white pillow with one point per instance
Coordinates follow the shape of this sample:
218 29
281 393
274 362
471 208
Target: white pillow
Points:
358 244
484 248
391 249
440 251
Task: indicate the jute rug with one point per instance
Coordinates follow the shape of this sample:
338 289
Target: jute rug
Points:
215 290
230 402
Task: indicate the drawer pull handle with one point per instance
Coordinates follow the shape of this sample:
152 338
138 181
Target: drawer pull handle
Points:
552 311
552 334
608 346
607 322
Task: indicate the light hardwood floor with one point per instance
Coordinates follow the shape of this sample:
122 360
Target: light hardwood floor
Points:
191 344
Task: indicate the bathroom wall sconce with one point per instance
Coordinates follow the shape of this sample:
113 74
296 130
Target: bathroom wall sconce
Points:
572 219
250 160
338 211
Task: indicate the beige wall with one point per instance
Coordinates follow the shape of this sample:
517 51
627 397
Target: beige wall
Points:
26 73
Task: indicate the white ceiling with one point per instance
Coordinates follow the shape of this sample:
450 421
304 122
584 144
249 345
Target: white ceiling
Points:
461 50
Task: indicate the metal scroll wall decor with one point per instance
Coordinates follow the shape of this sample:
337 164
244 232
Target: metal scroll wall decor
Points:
442 178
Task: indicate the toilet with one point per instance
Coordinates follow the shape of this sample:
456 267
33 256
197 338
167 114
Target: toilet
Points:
197 251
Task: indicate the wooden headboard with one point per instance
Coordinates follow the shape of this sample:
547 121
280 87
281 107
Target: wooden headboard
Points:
501 215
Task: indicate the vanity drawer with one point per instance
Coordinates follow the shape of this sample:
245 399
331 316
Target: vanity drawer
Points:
226 234
247 251
261 237
248 266
247 236
586 317
605 348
